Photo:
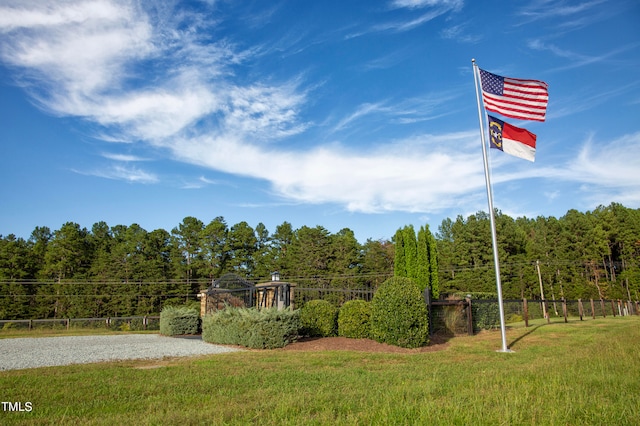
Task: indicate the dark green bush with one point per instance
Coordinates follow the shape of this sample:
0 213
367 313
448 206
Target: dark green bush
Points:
178 320
399 314
354 319
319 318
252 328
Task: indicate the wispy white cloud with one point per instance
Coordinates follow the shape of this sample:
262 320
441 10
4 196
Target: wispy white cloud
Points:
126 173
412 110
432 10
387 61
565 15
362 111
264 112
604 170
411 175
126 158
418 4
578 59
459 33
608 164
587 99
199 183
411 23
547 9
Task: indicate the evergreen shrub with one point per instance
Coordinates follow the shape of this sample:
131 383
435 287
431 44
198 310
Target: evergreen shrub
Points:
178 320
252 328
399 314
319 318
354 319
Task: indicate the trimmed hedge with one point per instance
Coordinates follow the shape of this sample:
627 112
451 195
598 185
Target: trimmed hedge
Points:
354 319
178 320
252 328
319 318
399 314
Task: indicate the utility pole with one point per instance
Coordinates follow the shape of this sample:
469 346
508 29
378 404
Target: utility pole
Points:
544 305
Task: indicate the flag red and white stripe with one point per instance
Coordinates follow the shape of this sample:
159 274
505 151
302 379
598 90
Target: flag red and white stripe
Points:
514 97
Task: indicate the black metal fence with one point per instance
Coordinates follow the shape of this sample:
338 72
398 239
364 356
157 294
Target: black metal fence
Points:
471 316
338 297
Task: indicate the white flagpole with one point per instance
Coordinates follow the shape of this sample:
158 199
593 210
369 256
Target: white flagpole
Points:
494 238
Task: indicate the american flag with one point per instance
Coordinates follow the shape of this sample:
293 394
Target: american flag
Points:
514 97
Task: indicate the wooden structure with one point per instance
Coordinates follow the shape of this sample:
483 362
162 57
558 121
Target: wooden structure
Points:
233 290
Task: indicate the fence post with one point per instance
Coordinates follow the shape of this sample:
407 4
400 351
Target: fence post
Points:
580 309
469 317
564 309
593 309
525 311
546 312
68 322
604 314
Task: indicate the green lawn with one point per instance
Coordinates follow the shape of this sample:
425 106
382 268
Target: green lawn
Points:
577 373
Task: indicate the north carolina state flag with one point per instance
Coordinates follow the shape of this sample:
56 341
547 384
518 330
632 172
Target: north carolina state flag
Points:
511 139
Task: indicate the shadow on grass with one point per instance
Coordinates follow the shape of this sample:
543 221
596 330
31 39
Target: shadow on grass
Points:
513 343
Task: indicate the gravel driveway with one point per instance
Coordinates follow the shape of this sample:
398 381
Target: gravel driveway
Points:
20 353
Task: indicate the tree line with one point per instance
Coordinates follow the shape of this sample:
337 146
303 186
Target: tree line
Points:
126 270
578 256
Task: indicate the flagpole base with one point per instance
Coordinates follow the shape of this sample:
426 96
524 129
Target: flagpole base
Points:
506 351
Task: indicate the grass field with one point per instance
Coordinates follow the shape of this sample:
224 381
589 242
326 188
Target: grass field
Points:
580 373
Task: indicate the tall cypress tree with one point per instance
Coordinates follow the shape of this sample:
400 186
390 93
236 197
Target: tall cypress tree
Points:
423 259
400 263
410 251
432 251
427 261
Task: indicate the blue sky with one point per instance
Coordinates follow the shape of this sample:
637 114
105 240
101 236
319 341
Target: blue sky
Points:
352 114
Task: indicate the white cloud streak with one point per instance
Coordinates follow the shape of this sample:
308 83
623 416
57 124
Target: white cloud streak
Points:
547 9
577 59
122 157
432 173
126 173
418 4
613 164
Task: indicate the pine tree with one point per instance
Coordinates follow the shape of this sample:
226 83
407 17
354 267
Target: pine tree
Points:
399 264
